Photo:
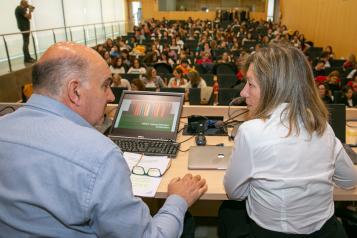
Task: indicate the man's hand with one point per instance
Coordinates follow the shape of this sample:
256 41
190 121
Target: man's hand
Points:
189 187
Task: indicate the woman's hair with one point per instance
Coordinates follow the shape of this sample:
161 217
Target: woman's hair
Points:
116 79
179 71
194 78
285 76
346 88
139 84
334 73
149 72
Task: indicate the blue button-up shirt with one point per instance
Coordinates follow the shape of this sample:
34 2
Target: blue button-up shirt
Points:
59 177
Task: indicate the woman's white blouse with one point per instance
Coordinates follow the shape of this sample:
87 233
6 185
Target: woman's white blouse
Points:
287 181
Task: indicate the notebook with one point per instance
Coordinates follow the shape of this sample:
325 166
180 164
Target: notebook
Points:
338 120
144 115
209 157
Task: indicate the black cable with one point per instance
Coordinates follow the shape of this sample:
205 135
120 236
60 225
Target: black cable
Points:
230 119
179 143
183 150
8 107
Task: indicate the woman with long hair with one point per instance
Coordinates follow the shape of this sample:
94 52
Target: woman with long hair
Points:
286 158
152 80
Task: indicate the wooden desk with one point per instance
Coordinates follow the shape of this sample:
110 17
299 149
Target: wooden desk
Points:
214 178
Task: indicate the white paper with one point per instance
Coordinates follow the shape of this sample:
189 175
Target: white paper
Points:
145 186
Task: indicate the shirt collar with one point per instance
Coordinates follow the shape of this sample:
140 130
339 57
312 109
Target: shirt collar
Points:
279 109
48 104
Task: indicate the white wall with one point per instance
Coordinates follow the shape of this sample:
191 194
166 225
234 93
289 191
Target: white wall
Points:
49 14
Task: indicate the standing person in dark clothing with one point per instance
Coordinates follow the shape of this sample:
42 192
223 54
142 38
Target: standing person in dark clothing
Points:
23 14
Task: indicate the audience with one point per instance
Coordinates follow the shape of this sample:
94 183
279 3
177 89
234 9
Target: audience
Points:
200 45
152 80
118 81
137 68
178 81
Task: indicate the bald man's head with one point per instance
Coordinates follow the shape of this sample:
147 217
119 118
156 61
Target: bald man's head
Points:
59 64
76 76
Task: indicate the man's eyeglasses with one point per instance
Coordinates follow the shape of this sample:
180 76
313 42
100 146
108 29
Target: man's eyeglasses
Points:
151 172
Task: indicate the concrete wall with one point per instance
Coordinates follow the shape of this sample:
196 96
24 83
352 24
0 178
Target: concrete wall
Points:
11 83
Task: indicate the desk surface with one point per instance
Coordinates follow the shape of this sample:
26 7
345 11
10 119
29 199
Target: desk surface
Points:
214 178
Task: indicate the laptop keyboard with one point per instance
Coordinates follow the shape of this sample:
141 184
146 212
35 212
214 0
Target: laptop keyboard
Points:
147 147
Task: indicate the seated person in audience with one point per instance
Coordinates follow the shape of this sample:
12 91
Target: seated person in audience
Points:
100 49
325 93
352 73
125 56
195 80
184 66
248 38
137 68
330 52
174 46
164 58
205 58
118 81
156 47
114 53
319 69
235 46
73 181
225 59
27 91
178 81
353 83
106 57
180 42
207 48
348 97
333 81
350 62
325 57
137 85
152 80
117 66
170 53
123 46
183 56
223 45
108 44
279 181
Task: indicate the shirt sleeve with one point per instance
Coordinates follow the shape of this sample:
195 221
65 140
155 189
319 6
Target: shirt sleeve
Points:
240 169
115 212
345 175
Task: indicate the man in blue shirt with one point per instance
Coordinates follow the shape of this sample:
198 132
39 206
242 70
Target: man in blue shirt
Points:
59 177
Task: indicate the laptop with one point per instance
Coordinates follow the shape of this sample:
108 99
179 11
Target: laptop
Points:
338 120
209 157
147 122
338 124
117 91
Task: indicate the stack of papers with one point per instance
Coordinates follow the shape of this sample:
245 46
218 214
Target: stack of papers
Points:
145 186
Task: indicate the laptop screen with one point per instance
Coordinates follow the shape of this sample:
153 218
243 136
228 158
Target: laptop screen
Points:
148 114
338 120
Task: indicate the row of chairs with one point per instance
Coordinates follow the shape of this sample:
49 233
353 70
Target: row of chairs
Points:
225 95
215 68
224 80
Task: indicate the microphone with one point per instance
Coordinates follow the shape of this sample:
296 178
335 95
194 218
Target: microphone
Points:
237 101
219 124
